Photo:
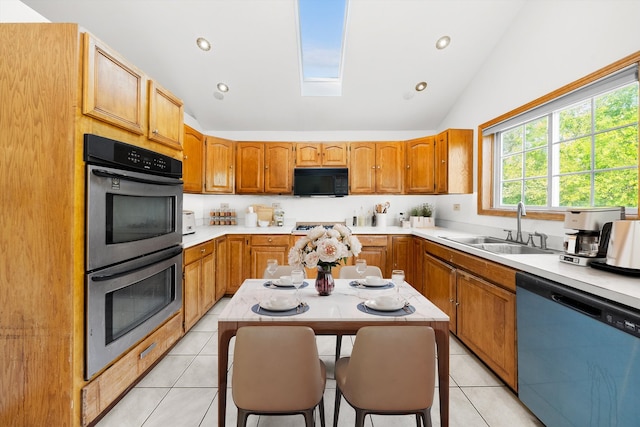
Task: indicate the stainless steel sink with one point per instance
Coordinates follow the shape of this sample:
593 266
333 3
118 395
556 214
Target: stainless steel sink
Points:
499 246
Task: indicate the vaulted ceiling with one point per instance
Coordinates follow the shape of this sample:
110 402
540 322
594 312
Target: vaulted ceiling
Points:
389 48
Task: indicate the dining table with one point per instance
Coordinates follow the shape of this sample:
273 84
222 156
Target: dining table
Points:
343 312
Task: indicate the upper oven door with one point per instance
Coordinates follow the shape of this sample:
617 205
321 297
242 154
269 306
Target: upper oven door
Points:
130 214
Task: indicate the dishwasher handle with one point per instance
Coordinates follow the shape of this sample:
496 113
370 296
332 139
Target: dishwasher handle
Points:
579 306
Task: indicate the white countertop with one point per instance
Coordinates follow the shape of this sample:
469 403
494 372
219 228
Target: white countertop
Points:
618 288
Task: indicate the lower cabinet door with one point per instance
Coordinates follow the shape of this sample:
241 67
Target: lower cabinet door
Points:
486 324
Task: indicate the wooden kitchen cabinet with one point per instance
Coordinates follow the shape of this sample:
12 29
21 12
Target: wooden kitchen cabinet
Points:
238 256
479 297
415 273
114 90
192 160
222 266
199 282
486 324
329 154
376 167
420 173
117 93
401 249
374 251
98 395
219 161
166 115
264 167
268 246
440 286
454 161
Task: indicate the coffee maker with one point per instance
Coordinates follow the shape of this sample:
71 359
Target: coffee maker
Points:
590 241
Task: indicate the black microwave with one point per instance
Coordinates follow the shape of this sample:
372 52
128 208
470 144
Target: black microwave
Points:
321 182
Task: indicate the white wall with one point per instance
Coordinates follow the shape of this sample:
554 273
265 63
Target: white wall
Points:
551 43
16 11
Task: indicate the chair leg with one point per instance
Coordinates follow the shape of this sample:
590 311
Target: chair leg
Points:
242 418
426 417
322 420
309 420
336 407
418 424
360 414
338 346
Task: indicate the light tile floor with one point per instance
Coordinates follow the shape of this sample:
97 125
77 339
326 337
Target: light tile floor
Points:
181 391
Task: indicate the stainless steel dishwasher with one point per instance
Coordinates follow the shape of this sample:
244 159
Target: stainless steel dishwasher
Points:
578 356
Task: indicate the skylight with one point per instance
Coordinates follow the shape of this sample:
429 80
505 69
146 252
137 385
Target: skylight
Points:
321 30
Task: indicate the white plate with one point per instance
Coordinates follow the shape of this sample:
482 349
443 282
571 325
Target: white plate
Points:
278 304
385 303
277 283
376 282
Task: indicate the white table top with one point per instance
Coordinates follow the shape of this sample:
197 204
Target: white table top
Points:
340 306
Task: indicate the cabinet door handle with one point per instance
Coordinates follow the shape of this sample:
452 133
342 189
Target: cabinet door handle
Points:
185 157
202 250
147 350
155 131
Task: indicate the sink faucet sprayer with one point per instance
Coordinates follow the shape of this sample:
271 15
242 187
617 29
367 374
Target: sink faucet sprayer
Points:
519 213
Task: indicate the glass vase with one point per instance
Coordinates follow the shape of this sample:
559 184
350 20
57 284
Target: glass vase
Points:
324 281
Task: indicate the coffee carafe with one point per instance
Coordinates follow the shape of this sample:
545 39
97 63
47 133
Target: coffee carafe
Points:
590 240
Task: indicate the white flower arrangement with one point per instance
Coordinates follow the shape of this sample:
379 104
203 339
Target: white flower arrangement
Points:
325 247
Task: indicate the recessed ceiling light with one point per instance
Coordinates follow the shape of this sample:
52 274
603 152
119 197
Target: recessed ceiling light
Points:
203 43
421 86
222 87
443 42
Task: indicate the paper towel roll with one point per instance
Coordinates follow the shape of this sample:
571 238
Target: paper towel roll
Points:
251 219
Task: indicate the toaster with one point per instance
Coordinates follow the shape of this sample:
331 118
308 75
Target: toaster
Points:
188 222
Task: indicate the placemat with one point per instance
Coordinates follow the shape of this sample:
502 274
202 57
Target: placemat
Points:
400 312
259 310
355 284
267 284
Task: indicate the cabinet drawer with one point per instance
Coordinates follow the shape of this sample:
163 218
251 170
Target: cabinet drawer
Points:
105 389
495 273
367 240
150 350
196 252
270 240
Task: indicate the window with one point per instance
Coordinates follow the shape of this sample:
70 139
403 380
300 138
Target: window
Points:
574 149
321 35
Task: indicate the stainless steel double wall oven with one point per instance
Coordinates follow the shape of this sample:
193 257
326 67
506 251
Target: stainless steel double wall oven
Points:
133 246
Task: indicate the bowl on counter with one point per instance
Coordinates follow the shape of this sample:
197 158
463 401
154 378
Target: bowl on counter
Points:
263 223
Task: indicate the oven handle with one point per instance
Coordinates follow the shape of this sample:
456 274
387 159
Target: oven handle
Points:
125 273
105 174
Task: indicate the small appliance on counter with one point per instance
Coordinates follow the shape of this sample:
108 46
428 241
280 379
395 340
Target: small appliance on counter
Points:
188 222
591 241
623 252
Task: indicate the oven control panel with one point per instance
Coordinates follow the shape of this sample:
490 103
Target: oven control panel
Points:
108 152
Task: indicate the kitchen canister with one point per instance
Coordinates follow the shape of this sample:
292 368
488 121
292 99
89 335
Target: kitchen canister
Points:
381 220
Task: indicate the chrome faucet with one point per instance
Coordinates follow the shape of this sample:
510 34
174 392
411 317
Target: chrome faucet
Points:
520 212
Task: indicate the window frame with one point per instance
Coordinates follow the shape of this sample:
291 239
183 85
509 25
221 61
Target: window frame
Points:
487 155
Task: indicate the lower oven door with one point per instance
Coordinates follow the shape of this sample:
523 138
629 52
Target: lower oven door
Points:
126 302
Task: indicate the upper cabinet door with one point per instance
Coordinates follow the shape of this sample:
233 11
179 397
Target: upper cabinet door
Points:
192 160
390 167
166 115
249 167
334 154
420 177
454 161
278 172
308 154
362 168
114 91
219 165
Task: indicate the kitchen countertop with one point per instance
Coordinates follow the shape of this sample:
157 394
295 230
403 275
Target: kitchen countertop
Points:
618 288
